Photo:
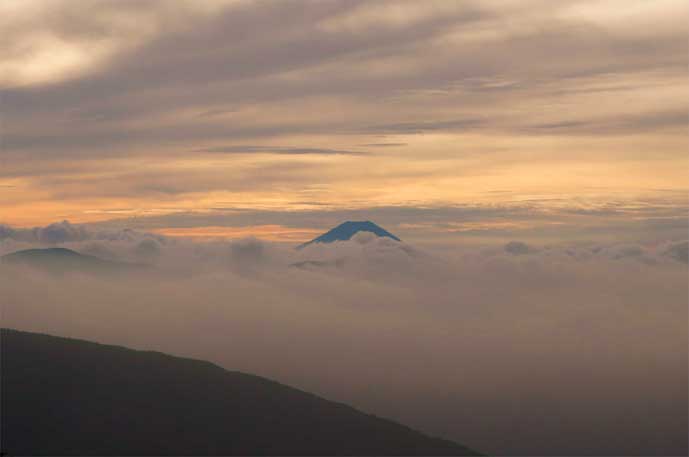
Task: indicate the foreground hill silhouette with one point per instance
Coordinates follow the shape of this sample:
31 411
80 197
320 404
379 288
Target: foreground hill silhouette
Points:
347 230
63 396
62 260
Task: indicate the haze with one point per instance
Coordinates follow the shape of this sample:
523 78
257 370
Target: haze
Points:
514 350
531 155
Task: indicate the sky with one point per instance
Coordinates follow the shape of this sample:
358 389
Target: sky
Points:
530 154
441 121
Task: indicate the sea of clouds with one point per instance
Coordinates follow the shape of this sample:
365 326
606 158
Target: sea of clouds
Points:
512 349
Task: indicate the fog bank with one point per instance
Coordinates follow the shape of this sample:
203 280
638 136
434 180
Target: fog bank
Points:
550 350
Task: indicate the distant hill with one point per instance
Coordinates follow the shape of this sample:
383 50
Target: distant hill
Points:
347 230
63 396
62 260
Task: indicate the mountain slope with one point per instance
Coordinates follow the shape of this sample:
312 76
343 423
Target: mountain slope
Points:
62 260
70 397
347 230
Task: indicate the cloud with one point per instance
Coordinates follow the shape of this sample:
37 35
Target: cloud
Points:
152 106
635 123
461 342
402 59
428 126
383 145
65 232
278 150
248 254
59 232
6 232
559 220
678 251
364 256
147 249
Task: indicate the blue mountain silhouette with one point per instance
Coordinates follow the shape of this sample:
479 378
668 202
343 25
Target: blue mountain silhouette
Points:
347 230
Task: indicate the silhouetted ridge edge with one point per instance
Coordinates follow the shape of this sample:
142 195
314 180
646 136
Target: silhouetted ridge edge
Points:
63 396
62 260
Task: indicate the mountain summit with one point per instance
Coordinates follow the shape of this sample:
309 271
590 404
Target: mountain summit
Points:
347 230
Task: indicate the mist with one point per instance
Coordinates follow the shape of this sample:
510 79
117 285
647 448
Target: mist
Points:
512 350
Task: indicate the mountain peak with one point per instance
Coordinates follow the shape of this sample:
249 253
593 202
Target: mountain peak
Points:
348 229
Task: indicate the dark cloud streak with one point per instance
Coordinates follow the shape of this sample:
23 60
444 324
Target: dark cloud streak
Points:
284 150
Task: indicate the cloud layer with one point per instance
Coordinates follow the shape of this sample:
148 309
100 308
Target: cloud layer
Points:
528 350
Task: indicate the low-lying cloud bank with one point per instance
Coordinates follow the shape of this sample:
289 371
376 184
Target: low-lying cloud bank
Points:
133 245
517 349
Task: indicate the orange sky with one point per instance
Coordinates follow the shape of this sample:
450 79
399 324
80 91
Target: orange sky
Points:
147 111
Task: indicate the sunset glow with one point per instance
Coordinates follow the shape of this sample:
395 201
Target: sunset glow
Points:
490 112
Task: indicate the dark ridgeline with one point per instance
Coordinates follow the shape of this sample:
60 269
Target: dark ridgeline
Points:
347 230
63 396
61 260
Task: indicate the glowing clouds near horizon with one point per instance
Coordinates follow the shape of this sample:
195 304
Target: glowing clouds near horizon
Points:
266 232
147 110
